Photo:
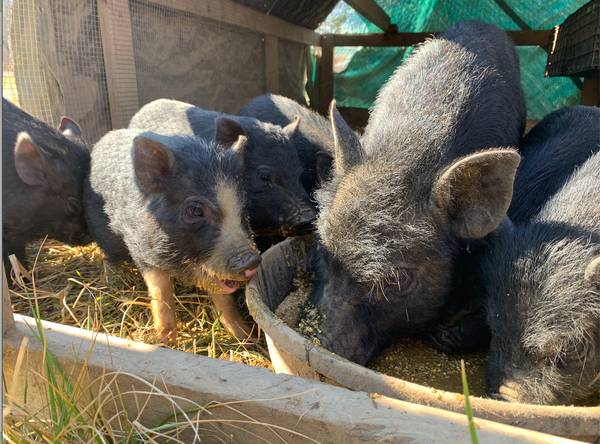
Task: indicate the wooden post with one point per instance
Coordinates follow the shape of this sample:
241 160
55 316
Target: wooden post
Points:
590 93
325 78
272 64
8 320
119 63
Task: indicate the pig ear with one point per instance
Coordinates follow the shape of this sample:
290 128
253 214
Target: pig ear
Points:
152 162
291 128
592 272
227 131
240 145
30 161
348 150
474 193
68 126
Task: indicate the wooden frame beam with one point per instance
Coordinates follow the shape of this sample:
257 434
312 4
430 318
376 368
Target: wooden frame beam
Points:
271 64
320 411
590 92
370 10
325 75
119 62
401 39
226 11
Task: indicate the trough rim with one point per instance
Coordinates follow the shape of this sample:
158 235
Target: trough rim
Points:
570 421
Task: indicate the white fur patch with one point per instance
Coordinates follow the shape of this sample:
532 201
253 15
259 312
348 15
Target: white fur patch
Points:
231 208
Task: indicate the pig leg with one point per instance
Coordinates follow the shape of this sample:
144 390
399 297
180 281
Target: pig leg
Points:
463 327
160 290
467 331
230 316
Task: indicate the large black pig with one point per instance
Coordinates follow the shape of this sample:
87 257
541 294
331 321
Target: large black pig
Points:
540 274
543 284
277 202
42 181
175 206
433 172
313 139
551 151
561 141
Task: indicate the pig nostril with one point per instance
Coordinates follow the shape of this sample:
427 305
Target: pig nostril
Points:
304 227
509 392
250 264
309 214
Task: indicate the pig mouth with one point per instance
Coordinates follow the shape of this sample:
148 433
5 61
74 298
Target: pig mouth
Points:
298 230
227 285
220 284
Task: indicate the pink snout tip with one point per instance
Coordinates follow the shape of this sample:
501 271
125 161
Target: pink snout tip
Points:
249 273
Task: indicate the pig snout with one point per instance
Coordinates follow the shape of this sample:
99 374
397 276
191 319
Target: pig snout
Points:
302 221
245 264
509 391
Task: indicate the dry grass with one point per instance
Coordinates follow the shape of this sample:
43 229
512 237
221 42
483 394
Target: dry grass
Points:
71 286
74 288
72 416
76 408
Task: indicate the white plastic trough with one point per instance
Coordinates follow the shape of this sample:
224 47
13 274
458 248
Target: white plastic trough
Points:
292 353
321 412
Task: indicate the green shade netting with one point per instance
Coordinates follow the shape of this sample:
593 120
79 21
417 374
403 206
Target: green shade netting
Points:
368 69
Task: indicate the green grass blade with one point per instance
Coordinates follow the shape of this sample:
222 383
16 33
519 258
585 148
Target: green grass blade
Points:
468 409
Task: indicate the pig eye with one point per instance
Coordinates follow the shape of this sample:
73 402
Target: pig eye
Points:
73 205
567 354
194 213
264 174
575 351
407 279
555 361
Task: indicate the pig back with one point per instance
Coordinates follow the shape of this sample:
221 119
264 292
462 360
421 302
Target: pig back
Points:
456 94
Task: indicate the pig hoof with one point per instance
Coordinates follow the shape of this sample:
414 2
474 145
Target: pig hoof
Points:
167 335
240 331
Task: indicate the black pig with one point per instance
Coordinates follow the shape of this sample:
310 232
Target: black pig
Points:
543 285
561 141
277 202
42 181
434 171
174 205
313 139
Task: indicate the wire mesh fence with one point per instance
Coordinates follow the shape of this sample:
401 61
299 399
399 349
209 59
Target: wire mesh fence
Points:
186 57
53 62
